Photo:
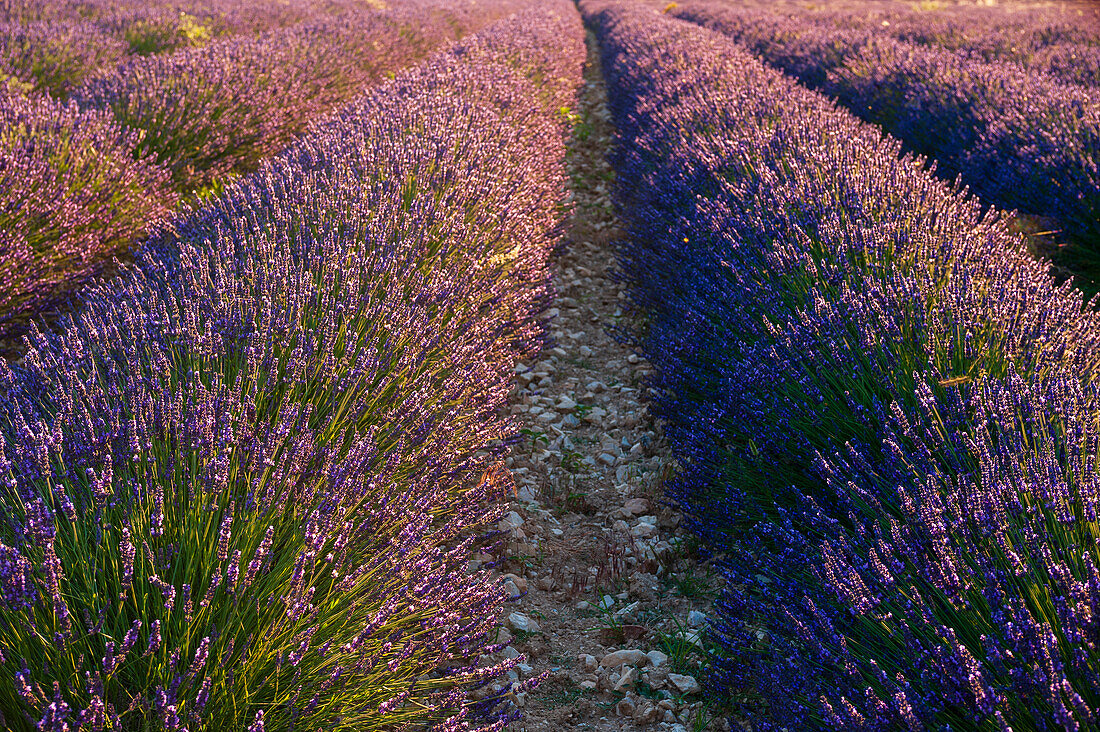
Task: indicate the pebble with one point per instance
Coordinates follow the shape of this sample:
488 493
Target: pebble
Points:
588 685
520 582
510 652
513 591
588 661
657 658
631 656
686 684
696 619
521 622
636 506
511 520
625 707
643 530
583 605
606 602
585 351
627 680
607 458
565 404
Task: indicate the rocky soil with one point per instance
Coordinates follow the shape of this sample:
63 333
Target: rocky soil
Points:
608 595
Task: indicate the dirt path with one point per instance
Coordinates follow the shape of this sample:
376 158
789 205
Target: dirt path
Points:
607 594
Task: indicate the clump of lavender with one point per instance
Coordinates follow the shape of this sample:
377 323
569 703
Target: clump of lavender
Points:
71 196
219 109
849 355
242 486
55 56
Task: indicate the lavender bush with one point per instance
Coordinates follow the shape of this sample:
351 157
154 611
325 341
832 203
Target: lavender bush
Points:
1020 139
203 114
71 194
884 406
54 57
211 111
243 484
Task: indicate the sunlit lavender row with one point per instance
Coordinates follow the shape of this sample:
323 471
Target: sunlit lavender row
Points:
79 180
241 488
1020 138
885 409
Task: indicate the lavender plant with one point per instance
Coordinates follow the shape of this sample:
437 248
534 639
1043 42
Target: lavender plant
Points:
243 484
1019 138
219 109
71 196
850 356
54 57
204 114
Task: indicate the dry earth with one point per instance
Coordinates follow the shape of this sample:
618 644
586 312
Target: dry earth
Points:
607 594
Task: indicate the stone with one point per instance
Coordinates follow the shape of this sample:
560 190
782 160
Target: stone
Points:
566 404
588 661
522 623
607 458
684 684
625 707
588 685
511 520
636 506
631 656
645 713
513 591
583 605
510 652
570 420
627 681
696 619
643 530
657 658
606 602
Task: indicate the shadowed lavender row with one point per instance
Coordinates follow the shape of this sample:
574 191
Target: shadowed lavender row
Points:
1019 139
885 408
79 187
241 489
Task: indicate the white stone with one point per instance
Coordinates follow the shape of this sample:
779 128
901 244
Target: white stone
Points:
657 658
521 622
630 656
684 683
627 680
696 619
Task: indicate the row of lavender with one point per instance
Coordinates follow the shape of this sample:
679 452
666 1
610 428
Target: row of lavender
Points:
1062 40
1020 139
885 408
80 180
241 489
55 42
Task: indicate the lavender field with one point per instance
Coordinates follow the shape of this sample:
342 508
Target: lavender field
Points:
535 365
